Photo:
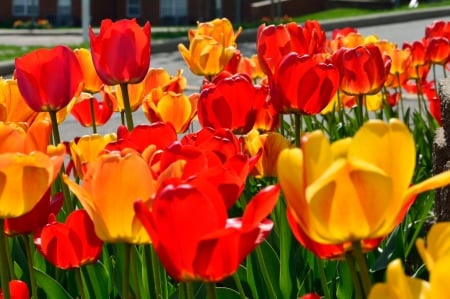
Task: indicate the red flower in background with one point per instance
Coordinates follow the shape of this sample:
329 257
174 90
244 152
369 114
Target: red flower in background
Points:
363 70
71 244
438 50
438 28
194 247
49 79
81 111
17 290
303 85
230 101
275 42
121 51
37 218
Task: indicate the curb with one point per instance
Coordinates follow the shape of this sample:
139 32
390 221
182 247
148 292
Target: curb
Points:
249 35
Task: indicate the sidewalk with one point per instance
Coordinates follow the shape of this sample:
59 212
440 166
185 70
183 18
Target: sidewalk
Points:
50 37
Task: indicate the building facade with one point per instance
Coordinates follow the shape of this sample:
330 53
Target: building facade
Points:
158 12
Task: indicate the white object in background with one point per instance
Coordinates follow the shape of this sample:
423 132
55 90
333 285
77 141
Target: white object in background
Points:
413 3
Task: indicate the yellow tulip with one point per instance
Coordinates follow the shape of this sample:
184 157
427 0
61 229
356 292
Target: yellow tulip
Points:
206 56
400 286
25 177
110 186
437 244
220 30
271 144
19 137
86 150
354 189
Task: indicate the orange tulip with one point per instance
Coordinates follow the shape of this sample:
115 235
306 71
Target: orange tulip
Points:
42 83
348 191
110 186
13 106
121 51
92 82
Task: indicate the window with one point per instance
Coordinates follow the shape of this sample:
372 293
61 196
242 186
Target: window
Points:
173 12
64 7
25 7
133 8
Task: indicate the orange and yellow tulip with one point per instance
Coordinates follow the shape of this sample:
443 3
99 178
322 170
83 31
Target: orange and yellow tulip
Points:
92 82
436 246
13 107
108 191
348 191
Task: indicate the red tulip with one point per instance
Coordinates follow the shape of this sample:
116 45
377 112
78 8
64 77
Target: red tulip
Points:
37 218
438 50
17 290
71 244
194 247
302 85
121 51
158 134
362 69
81 111
439 28
275 42
230 102
49 79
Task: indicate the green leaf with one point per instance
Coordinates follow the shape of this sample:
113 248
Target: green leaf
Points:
98 280
50 286
226 293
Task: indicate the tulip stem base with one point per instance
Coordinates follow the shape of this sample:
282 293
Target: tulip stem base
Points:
363 269
155 270
126 270
4 266
211 290
127 106
91 107
238 283
323 278
79 279
354 274
28 240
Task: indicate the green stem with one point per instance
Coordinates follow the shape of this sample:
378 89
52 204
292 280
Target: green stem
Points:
189 290
134 272
238 283
127 106
79 279
356 282
211 290
155 270
4 266
10 261
298 128
444 70
126 270
363 269
323 278
265 273
28 240
282 125
57 140
94 124
359 110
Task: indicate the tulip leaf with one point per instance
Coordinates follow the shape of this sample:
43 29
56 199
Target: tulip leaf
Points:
345 282
51 287
98 280
390 252
226 293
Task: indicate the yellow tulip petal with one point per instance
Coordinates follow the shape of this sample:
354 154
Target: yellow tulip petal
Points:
439 283
437 244
176 109
340 147
292 181
317 155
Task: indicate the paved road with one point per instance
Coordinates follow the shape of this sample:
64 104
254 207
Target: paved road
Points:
172 61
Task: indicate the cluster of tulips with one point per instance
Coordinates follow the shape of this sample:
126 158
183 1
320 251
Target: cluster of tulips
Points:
280 193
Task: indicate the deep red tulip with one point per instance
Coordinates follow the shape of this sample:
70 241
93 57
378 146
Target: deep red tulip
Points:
302 85
275 42
37 218
418 53
194 247
17 290
438 50
230 102
439 28
49 79
363 70
310 296
81 111
71 244
158 134
121 51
